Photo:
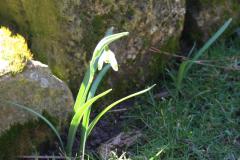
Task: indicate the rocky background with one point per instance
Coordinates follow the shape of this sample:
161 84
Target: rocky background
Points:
63 34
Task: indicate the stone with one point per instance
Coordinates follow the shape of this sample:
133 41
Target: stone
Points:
119 143
63 35
36 88
205 18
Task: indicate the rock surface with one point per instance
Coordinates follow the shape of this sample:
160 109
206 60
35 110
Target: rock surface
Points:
204 18
37 89
63 34
119 143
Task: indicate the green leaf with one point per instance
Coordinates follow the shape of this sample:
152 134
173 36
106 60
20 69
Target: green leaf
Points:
185 136
90 95
203 49
39 115
53 158
159 153
190 53
90 127
80 99
36 154
180 75
87 113
76 121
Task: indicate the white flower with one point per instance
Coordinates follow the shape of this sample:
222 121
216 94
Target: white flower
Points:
108 57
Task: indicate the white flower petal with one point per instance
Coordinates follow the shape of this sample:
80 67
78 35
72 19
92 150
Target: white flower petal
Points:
114 64
108 57
100 62
113 60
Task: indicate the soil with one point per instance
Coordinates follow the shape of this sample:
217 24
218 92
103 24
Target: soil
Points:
103 131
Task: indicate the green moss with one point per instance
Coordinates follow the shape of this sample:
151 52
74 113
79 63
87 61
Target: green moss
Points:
86 14
98 24
107 2
171 45
20 138
93 35
140 70
130 12
121 8
145 43
178 23
160 61
29 20
122 22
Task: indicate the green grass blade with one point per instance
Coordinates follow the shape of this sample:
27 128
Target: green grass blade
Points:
180 75
203 49
158 153
53 158
76 121
185 136
88 110
172 76
152 98
89 129
190 53
39 115
36 154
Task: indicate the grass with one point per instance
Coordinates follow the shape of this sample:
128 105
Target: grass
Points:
203 121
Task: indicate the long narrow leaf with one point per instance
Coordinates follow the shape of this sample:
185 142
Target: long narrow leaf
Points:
203 49
87 113
90 95
190 53
180 75
76 121
89 129
39 115
81 91
159 153
36 154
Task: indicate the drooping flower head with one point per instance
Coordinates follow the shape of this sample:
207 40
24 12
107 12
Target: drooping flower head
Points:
108 57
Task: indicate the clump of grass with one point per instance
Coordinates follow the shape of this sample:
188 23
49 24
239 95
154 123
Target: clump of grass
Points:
202 122
15 50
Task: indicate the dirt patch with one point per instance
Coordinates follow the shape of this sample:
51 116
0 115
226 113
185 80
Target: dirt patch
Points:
108 127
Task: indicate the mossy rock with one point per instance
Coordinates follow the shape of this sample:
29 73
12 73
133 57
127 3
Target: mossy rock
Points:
205 17
20 139
63 34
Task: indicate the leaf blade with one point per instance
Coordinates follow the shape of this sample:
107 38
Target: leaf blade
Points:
39 115
112 105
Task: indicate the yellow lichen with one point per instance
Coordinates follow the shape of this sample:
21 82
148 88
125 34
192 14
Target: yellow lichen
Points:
15 50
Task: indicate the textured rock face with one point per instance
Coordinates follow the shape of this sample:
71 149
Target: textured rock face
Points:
63 34
37 89
204 18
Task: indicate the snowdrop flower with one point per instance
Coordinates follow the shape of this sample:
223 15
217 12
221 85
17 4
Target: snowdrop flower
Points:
109 57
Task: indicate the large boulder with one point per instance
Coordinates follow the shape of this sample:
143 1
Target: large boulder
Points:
63 34
37 89
204 18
